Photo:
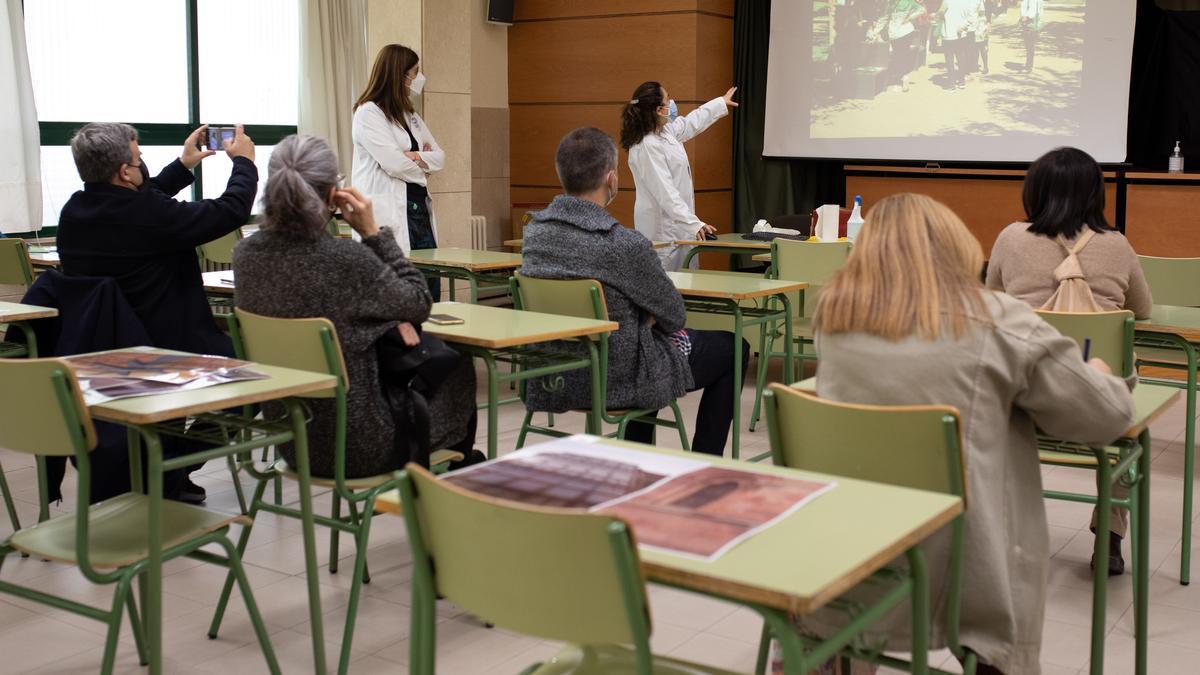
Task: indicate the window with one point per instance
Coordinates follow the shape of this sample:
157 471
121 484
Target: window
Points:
166 67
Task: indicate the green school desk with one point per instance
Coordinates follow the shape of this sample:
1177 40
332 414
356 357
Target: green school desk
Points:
482 270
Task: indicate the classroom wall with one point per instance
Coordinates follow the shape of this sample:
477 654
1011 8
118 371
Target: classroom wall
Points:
573 64
435 29
489 124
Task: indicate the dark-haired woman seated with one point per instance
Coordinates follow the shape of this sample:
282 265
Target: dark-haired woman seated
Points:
293 268
1064 200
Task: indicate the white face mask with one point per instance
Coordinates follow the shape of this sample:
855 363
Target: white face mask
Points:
417 84
611 195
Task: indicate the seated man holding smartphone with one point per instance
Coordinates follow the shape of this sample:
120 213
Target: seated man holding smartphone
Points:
126 225
652 358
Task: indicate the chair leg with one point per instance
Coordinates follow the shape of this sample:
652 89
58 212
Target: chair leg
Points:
356 584
764 361
354 518
114 624
334 533
764 650
135 626
524 429
680 426
8 502
235 472
260 630
243 539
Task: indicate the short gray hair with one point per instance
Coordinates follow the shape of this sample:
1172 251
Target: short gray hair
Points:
100 148
301 172
583 157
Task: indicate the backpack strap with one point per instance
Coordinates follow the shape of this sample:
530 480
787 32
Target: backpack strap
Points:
1079 243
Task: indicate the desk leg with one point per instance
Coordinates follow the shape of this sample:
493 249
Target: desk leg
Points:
1141 599
920 610
1189 459
152 579
789 349
1099 578
473 284
493 404
300 441
687 258
737 377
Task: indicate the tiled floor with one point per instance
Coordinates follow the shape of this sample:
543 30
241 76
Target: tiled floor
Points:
34 638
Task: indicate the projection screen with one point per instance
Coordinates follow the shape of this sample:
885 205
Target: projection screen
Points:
906 80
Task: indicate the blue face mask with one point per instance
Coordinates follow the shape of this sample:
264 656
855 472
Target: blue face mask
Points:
672 111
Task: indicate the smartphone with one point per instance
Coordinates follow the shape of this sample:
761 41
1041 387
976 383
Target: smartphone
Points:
445 320
219 137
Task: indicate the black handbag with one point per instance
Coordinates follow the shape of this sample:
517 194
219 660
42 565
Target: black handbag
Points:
418 371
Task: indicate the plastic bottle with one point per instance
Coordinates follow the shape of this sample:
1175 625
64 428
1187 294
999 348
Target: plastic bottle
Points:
856 220
1175 161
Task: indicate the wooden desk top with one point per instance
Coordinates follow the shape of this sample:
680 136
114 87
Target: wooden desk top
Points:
500 327
465 258
1149 401
727 240
851 535
45 259
520 243
730 285
761 257
15 311
279 383
1181 321
218 283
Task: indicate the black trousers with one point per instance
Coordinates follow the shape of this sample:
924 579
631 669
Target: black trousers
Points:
711 361
420 235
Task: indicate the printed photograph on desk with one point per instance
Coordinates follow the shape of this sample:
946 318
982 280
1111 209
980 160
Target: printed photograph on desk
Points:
143 372
673 503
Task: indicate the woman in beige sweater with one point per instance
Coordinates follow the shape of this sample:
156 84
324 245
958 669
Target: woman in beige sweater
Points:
906 321
1063 195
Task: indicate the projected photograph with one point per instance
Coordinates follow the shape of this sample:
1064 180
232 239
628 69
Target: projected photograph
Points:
909 68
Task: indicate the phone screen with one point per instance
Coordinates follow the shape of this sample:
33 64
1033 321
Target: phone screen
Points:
219 137
444 319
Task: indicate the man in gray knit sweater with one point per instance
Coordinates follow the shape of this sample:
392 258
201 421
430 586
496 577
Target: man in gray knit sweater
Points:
652 358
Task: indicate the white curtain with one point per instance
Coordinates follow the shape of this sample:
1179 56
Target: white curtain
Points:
333 64
20 162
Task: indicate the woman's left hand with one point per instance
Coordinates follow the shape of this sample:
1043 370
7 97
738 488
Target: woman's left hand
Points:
728 98
409 334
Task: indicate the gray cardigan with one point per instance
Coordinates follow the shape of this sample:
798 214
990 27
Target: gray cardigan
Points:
577 239
365 289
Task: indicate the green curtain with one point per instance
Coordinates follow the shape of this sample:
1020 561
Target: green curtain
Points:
763 187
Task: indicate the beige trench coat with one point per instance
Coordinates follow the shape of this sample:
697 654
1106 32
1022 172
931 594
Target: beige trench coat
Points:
1012 373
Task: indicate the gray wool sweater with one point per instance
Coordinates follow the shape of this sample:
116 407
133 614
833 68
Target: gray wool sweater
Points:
365 289
577 239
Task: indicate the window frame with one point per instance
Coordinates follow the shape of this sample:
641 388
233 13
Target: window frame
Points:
59 133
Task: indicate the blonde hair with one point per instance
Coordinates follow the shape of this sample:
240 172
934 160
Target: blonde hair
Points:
914 270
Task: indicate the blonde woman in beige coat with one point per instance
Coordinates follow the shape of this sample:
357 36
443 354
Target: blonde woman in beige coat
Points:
907 321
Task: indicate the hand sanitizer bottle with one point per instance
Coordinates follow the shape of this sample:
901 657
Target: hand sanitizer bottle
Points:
1175 161
856 220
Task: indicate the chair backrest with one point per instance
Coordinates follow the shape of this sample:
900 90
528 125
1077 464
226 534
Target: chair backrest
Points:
557 574
15 268
916 446
302 344
41 409
218 253
813 262
1173 281
1110 335
581 298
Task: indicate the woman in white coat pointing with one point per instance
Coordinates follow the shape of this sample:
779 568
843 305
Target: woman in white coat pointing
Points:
394 151
653 134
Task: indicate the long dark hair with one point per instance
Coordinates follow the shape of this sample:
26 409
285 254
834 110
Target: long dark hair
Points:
639 117
1064 190
386 87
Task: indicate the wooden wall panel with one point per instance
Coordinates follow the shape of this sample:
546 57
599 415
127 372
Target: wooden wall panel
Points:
527 10
1161 220
986 206
601 59
714 56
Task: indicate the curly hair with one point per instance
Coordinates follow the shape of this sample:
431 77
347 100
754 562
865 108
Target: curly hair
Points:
639 116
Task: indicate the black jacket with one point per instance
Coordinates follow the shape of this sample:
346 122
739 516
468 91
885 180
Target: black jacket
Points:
146 240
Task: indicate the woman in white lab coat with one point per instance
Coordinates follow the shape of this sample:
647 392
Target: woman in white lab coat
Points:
653 134
394 151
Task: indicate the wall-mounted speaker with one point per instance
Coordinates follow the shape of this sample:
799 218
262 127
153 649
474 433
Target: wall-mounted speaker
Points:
500 11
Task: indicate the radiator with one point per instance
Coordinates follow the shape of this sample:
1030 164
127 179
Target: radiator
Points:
479 233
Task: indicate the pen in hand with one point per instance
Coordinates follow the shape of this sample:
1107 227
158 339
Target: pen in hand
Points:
1087 347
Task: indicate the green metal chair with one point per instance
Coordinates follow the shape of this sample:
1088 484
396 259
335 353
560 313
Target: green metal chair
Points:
557 574
218 253
107 541
918 447
16 270
814 262
583 298
311 345
1171 361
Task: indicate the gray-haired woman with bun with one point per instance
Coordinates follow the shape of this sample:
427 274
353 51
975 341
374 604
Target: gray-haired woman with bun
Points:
294 268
